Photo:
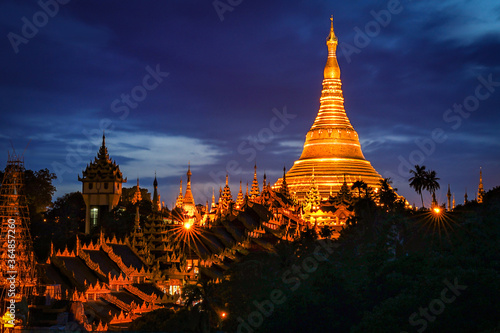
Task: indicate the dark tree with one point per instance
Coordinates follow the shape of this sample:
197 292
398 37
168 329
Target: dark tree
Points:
326 232
431 182
38 190
359 185
419 180
386 194
60 225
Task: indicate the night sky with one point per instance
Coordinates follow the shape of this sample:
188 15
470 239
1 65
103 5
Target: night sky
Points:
220 77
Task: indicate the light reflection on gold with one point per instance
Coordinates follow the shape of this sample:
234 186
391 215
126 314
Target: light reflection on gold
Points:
332 147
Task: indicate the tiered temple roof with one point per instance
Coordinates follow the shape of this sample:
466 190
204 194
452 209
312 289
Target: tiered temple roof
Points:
107 279
102 168
254 191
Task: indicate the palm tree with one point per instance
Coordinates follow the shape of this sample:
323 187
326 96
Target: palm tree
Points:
419 180
386 195
431 182
360 185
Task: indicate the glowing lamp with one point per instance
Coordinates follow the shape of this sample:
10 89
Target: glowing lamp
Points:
187 225
436 210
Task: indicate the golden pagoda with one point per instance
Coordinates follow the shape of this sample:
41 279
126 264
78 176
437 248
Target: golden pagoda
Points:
332 147
188 201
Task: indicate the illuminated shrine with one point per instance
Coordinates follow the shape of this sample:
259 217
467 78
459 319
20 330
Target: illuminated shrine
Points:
331 150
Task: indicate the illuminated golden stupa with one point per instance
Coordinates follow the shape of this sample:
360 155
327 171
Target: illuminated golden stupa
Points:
332 150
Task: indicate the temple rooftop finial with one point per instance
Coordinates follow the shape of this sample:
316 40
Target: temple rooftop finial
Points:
331 36
332 70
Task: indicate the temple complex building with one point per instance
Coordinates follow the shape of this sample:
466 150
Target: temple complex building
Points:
101 187
332 147
107 283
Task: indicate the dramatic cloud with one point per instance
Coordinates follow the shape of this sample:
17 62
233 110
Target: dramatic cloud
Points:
88 68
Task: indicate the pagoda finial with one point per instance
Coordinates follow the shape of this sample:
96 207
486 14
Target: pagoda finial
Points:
332 70
227 178
331 37
254 191
103 155
239 199
189 174
188 200
180 198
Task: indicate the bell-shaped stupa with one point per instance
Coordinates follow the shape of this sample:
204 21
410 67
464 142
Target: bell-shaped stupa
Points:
332 151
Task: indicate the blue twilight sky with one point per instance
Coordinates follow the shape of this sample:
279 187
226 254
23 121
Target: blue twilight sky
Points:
222 83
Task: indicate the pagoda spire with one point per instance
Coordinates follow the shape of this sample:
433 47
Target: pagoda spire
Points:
254 191
156 199
188 198
239 199
103 154
480 189
284 185
137 195
226 198
179 200
332 145
332 69
213 198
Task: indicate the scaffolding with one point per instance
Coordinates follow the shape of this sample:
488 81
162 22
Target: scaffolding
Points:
17 260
